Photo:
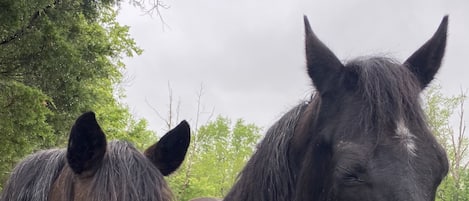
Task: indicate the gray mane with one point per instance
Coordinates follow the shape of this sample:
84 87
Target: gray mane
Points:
32 178
127 175
267 175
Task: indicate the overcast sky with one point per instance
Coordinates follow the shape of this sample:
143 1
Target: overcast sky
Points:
249 54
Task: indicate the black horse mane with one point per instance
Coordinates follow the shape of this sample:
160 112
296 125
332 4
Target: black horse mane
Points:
275 177
125 174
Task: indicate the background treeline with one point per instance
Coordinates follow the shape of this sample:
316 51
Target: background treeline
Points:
59 58
446 118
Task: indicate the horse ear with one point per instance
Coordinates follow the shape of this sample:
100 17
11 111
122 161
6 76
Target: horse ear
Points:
323 66
86 145
169 153
426 61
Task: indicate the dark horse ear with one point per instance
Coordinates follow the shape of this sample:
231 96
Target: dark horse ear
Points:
324 67
426 61
86 145
169 153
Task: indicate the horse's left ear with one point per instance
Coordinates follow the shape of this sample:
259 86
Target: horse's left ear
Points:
426 61
169 153
86 145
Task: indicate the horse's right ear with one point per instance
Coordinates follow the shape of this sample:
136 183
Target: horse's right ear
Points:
86 145
323 66
169 153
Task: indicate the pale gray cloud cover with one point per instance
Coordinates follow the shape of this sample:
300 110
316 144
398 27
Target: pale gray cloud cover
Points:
249 54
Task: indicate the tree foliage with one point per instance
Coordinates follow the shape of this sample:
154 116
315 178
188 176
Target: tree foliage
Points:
219 150
23 123
59 58
446 119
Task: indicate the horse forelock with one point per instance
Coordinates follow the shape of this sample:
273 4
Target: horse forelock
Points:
389 89
136 178
388 103
391 104
125 175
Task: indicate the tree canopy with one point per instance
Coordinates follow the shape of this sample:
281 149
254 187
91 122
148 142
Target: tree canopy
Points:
59 58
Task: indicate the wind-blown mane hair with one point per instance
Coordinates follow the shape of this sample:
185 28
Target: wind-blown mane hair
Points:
272 156
33 177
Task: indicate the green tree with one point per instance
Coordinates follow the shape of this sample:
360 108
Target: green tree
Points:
23 123
59 58
68 50
222 149
440 111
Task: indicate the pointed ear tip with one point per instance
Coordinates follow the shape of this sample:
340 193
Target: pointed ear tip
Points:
90 113
184 125
444 23
442 29
87 116
306 22
445 18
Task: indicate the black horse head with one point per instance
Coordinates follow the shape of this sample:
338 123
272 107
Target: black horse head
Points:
369 139
362 137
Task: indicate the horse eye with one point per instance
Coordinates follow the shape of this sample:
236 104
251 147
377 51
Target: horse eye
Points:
350 173
352 179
